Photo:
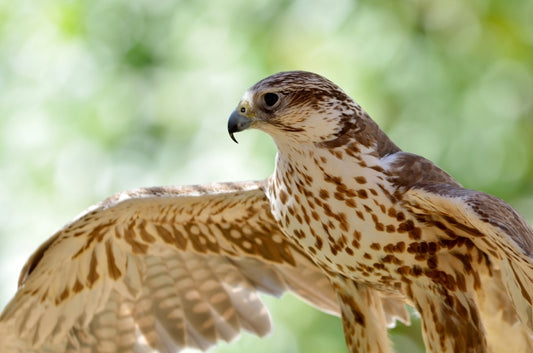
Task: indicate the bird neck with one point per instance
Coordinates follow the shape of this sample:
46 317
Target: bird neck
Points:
359 150
299 165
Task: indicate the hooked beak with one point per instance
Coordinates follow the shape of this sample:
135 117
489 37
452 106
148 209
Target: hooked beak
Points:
236 123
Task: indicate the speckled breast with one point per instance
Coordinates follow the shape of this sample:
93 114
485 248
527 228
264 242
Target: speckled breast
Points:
349 222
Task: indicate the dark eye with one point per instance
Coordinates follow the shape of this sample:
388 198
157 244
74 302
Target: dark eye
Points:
270 99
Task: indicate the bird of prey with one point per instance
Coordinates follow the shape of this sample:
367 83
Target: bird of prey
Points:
348 222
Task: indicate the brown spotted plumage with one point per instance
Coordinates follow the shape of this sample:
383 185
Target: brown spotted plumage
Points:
160 268
348 222
388 222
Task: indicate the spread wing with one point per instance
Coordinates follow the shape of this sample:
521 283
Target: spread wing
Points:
159 268
495 228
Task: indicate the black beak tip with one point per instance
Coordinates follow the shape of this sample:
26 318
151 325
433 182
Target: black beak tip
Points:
233 137
236 123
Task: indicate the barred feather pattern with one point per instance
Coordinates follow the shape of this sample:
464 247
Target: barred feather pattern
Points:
164 269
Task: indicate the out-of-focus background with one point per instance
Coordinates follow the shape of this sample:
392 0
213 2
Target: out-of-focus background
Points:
98 96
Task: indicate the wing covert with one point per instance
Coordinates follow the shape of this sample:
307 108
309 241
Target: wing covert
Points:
160 268
493 226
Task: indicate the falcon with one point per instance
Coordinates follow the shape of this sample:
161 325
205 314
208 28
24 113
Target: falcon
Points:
348 222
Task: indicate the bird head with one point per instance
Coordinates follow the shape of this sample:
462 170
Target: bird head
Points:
294 107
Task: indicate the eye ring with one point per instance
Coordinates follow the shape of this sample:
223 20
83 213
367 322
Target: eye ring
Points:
243 110
270 99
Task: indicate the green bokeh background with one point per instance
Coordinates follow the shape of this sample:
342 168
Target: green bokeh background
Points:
98 96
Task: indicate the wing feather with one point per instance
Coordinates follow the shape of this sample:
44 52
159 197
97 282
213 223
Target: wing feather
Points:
159 268
495 228
162 268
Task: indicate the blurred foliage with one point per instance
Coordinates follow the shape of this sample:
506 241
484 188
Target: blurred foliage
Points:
104 95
